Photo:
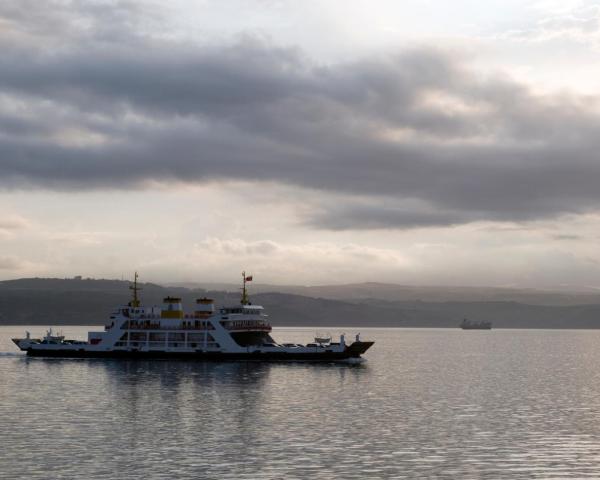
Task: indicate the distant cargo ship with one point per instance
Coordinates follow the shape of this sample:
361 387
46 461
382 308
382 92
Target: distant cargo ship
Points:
240 332
468 325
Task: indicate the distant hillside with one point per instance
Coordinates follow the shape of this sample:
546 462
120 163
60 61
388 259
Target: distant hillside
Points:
71 302
395 293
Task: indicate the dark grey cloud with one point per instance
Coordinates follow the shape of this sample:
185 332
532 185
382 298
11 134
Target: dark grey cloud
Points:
357 215
423 138
55 23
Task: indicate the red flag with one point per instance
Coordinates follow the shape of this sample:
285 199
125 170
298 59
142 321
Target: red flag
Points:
249 279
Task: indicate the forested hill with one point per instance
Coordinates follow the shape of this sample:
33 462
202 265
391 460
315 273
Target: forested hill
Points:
88 302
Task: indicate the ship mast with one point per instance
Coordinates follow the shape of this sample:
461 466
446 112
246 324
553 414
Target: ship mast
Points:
245 300
136 301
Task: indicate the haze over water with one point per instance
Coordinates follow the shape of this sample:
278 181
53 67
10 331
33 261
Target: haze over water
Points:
428 402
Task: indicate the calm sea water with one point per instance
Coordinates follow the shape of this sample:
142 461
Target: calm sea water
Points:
428 403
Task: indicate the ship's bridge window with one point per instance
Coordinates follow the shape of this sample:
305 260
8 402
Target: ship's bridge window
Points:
232 310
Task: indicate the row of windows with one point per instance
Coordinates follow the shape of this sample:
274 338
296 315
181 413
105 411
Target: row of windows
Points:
150 325
170 344
156 338
245 311
245 323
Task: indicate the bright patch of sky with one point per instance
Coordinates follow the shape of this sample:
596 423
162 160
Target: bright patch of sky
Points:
549 44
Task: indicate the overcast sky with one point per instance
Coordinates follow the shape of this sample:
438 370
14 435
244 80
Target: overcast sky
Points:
417 142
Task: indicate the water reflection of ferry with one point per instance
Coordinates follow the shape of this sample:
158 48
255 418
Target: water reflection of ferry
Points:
240 332
469 325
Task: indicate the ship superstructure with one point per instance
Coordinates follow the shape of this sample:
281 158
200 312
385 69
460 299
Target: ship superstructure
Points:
469 325
239 332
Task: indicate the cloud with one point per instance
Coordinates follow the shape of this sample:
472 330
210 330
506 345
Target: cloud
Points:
579 23
10 263
272 261
567 237
360 216
239 247
59 22
401 140
10 222
312 252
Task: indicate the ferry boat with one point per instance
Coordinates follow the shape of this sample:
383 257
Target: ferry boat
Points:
469 325
239 332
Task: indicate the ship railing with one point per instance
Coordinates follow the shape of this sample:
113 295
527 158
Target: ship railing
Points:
158 345
140 326
265 327
157 326
137 316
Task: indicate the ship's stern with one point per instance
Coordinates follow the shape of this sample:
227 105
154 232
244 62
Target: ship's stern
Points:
356 349
22 343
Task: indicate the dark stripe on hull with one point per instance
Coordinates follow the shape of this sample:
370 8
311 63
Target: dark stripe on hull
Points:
354 351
